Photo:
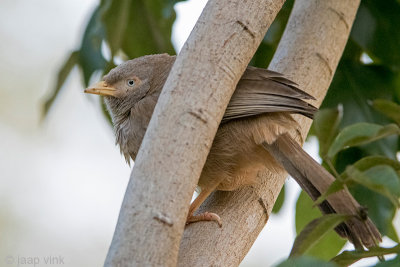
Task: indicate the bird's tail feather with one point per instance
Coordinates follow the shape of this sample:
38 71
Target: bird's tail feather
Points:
315 180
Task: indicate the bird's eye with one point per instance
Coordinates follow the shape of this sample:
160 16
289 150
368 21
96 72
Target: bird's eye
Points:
131 83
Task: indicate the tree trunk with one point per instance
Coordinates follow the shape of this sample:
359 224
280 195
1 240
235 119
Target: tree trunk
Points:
308 53
180 133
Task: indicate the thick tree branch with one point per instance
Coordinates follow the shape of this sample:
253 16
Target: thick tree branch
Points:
308 53
182 128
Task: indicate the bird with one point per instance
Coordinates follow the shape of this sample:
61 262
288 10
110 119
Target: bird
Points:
257 132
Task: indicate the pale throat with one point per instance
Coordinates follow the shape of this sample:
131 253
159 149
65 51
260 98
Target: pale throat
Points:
131 127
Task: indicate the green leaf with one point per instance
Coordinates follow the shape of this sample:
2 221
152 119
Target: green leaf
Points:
61 77
359 134
371 161
380 209
279 201
347 258
354 86
326 127
388 108
362 165
330 244
392 233
391 263
90 56
314 231
336 186
305 261
382 179
115 15
348 157
138 27
377 21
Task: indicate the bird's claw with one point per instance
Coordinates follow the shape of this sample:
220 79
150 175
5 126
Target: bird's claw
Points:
205 216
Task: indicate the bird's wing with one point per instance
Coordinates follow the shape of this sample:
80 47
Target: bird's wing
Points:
260 91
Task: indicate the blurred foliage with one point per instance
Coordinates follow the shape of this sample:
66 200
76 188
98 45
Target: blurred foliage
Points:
357 126
310 236
128 29
328 245
305 261
279 201
347 258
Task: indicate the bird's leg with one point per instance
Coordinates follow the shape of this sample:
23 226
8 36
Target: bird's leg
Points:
205 216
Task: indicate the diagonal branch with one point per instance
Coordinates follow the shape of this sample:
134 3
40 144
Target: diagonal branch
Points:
308 53
179 136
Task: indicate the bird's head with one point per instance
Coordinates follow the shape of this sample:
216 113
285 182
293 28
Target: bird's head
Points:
127 84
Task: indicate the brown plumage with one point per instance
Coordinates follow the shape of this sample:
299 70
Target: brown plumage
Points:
256 132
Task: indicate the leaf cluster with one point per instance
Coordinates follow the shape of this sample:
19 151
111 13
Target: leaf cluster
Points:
373 179
358 132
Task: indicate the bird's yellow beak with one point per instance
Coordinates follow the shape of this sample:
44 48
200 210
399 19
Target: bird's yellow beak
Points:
101 88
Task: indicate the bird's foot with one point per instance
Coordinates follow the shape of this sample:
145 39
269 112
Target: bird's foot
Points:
205 216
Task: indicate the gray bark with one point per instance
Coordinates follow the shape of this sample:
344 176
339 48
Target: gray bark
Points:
308 53
180 133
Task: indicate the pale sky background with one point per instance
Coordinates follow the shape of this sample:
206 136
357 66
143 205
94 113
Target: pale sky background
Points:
63 180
